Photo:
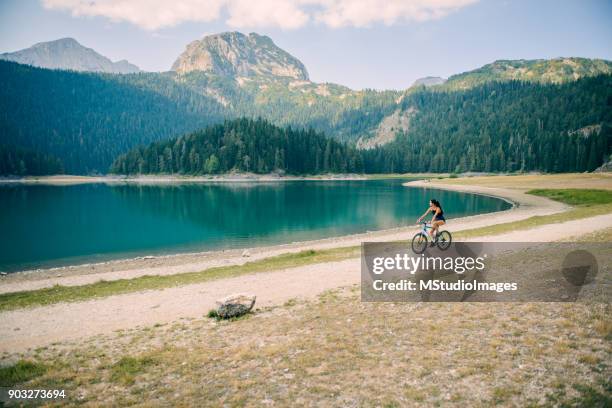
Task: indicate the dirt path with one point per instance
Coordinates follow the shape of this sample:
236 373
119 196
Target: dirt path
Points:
31 328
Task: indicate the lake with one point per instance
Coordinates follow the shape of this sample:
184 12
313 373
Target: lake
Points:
44 225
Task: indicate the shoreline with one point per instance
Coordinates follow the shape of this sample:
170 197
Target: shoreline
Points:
523 206
62 180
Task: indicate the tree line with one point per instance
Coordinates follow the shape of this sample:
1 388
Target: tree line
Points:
20 162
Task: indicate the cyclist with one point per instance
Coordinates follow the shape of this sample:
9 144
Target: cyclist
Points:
437 219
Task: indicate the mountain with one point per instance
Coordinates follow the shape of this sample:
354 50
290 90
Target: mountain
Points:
67 53
429 81
250 76
558 70
87 119
234 54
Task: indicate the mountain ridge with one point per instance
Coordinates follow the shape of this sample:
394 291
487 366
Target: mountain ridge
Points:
68 54
555 70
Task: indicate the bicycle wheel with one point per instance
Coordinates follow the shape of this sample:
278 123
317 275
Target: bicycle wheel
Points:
419 243
444 240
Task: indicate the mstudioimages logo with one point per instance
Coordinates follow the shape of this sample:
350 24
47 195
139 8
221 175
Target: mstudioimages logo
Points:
508 272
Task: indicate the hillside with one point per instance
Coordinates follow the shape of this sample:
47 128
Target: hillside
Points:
558 70
503 126
68 54
86 120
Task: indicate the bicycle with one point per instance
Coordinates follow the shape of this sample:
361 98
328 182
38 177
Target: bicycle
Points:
420 240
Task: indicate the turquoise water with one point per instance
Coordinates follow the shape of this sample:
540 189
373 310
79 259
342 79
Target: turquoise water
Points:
45 226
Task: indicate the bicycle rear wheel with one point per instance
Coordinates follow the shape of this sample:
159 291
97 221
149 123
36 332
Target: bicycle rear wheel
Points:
444 240
419 243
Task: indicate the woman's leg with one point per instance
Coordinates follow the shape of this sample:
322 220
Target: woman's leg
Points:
434 230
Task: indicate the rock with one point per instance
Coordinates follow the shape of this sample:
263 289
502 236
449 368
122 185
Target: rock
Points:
246 253
3 273
606 167
235 305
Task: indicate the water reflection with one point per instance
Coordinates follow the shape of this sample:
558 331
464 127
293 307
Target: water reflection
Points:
45 225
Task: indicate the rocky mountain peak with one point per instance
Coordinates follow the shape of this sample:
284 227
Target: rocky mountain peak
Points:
237 55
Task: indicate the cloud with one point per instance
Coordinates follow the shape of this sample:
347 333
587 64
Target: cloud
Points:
363 13
285 14
265 13
148 14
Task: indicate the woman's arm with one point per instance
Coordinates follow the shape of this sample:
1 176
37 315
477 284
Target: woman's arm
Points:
424 214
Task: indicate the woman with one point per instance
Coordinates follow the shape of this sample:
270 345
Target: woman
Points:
437 220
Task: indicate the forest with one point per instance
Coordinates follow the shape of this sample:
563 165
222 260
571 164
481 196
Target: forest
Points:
20 162
503 127
497 127
86 120
243 145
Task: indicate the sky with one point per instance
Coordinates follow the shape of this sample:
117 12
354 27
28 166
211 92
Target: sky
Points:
380 44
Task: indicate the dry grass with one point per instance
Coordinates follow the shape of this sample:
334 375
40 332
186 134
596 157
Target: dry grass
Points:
338 351
601 181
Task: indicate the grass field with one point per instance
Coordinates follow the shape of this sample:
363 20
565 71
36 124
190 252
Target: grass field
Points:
586 203
338 351
600 181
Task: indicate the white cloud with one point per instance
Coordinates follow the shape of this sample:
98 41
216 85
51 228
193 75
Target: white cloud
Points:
148 14
264 13
286 14
363 13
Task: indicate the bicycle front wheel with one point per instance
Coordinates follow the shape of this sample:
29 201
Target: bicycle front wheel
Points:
444 240
419 243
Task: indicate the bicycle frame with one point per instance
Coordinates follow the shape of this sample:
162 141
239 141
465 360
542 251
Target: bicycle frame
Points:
426 226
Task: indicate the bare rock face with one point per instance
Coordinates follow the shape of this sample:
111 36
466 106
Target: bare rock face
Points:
234 54
235 305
